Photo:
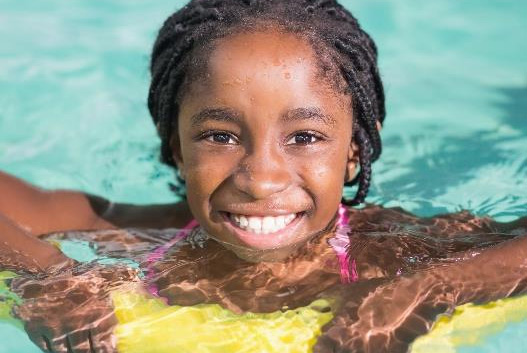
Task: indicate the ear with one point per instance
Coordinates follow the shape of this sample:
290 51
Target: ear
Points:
352 162
175 147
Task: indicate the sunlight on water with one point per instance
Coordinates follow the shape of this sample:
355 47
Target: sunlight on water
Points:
74 79
456 86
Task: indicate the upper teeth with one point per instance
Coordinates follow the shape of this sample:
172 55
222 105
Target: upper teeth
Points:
262 225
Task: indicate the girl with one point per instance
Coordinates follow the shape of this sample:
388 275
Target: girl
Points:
266 109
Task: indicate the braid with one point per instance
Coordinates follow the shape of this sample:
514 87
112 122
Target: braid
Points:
364 175
323 22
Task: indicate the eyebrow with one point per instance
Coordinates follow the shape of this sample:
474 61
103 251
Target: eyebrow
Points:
310 113
230 115
216 114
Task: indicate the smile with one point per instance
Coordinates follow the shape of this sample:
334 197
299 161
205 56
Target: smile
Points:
264 231
262 225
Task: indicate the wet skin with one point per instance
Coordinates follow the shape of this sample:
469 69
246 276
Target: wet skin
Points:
411 269
264 134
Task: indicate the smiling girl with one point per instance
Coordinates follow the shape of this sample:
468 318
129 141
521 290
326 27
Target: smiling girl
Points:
266 109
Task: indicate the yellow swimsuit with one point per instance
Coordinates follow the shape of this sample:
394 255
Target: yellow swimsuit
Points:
149 325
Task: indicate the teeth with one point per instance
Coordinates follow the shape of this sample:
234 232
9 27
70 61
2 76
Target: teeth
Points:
244 222
268 225
262 225
255 223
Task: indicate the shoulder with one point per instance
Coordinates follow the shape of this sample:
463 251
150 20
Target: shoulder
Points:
379 218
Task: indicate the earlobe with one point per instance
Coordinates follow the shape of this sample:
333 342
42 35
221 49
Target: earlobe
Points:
175 146
352 162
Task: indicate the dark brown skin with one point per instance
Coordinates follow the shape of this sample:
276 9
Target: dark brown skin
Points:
269 93
70 311
396 307
248 160
27 212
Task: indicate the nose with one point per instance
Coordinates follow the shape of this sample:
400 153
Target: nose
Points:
262 173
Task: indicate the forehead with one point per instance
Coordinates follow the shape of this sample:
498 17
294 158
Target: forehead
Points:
270 62
246 53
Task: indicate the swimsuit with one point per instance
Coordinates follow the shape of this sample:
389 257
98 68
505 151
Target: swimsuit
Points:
341 244
159 253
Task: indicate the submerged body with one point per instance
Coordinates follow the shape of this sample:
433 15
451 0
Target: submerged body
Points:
397 255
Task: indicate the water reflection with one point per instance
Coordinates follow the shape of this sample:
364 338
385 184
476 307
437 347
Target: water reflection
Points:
78 310
437 171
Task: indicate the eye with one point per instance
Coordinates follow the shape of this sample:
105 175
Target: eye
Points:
304 138
220 137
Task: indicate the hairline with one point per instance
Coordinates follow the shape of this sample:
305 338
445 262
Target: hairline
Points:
196 62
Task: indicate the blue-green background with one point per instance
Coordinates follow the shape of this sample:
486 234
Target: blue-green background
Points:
74 79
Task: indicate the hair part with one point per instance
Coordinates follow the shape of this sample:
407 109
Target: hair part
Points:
349 54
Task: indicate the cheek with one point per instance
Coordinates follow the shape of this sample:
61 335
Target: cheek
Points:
201 183
325 180
205 171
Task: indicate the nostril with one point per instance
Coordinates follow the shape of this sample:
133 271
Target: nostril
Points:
263 181
259 188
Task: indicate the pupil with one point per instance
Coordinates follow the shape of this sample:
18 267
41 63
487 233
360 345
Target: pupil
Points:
302 139
221 138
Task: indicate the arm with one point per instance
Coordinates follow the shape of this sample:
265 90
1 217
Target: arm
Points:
393 315
497 272
72 310
446 226
40 211
21 251
27 211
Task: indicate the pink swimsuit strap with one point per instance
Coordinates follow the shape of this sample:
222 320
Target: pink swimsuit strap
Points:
340 244
160 252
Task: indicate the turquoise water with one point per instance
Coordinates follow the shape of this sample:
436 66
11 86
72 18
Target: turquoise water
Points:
74 78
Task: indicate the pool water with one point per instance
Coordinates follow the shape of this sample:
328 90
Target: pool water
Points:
74 79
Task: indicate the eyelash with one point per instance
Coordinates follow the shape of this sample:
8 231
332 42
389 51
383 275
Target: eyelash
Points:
209 136
311 134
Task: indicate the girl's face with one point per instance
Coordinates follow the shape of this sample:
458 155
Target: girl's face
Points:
264 145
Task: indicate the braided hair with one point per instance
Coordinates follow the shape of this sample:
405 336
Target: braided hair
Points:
323 22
